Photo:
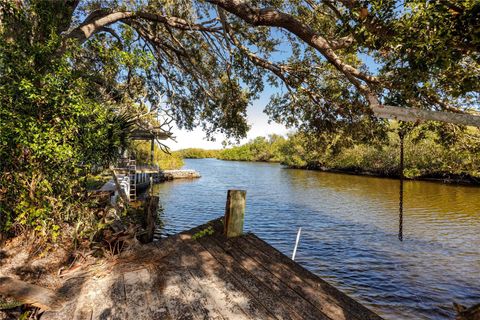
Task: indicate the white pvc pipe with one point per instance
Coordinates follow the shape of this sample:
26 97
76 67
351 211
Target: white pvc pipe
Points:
296 243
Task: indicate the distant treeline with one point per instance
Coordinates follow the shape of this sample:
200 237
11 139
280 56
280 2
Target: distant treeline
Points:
425 154
197 153
258 149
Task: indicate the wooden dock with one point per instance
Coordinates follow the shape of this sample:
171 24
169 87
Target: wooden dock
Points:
213 271
166 175
188 276
133 178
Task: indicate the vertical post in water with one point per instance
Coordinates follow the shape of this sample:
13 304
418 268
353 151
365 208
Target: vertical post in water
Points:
234 213
400 217
296 243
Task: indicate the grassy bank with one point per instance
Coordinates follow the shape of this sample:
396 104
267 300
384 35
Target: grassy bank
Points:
425 156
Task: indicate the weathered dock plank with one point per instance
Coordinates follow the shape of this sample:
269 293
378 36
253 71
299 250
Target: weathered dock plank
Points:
281 291
155 296
176 301
326 297
206 293
137 283
257 288
228 290
110 291
192 277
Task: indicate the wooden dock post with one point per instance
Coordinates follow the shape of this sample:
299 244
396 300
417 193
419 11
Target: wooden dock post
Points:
150 212
234 213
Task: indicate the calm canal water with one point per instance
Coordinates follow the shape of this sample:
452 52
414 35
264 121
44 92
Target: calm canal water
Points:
349 230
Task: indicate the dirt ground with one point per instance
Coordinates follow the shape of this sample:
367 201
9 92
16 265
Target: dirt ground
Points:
50 265
22 259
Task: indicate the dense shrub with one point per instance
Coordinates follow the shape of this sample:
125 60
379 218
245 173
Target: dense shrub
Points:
162 159
258 149
53 127
424 155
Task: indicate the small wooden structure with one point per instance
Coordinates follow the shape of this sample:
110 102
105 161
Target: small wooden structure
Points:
139 176
200 275
129 179
166 175
150 211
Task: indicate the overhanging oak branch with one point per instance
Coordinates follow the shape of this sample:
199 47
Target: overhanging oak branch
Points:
274 18
100 19
414 114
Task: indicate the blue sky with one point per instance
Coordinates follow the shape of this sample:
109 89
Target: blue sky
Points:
255 117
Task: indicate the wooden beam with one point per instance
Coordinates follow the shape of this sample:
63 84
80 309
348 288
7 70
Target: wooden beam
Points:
27 293
139 134
414 115
234 213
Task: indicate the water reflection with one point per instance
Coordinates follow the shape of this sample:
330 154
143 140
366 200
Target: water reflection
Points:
350 229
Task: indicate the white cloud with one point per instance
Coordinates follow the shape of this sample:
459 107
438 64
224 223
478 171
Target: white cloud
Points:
257 120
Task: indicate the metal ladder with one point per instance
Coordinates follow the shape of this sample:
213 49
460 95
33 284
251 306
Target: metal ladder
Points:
132 169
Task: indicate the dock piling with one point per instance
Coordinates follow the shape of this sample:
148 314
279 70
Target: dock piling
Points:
150 212
234 213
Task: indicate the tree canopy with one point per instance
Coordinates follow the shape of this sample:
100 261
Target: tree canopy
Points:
426 53
203 61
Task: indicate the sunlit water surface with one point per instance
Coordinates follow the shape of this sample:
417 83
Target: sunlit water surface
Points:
350 230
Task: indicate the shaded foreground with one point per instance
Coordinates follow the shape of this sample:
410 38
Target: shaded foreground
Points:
210 277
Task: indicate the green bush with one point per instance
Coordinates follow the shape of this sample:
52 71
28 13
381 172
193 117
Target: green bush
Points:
425 154
162 159
258 149
53 126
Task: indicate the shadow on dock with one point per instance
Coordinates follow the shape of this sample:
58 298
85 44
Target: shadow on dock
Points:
203 275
